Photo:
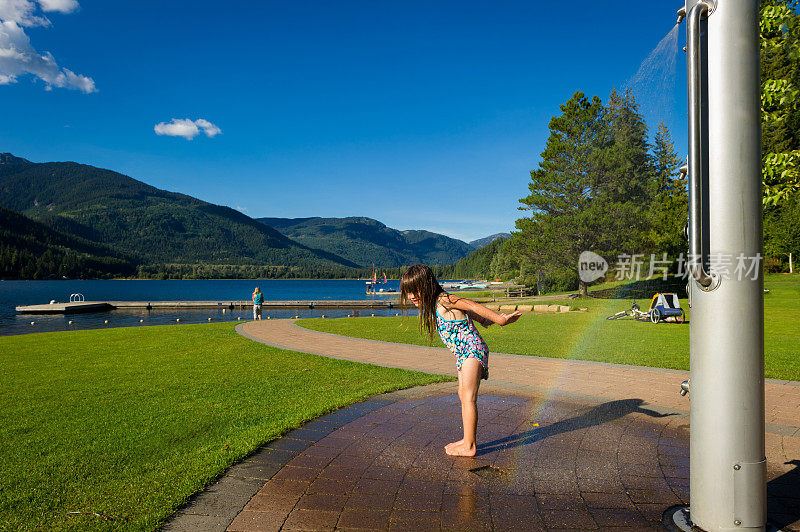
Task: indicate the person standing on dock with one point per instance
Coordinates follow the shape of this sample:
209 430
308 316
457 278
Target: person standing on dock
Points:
258 300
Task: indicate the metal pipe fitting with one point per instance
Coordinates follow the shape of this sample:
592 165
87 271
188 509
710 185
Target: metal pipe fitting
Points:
681 14
684 388
696 144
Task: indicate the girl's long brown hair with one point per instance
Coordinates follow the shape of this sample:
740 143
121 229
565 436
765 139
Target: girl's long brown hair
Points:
420 281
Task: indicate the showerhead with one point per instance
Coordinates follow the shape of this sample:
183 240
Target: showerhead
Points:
681 14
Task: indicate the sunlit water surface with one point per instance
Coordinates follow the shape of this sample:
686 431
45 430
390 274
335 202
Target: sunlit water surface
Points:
13 293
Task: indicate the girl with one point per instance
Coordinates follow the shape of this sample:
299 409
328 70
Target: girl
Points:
451 316
258 300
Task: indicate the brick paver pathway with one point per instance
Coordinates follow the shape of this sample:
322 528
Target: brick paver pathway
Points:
542 465
563 445
614 381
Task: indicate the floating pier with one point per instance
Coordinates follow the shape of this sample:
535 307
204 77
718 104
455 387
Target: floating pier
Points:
64 308
96 306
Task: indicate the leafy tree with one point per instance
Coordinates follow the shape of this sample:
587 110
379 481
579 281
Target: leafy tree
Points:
782 230
780 99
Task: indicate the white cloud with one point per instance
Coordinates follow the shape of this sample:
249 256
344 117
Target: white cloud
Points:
19 57
21 12
62 6
208 128
186 128
75 81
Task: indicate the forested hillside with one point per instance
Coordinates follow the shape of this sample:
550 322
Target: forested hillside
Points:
365 241
151 225
31 250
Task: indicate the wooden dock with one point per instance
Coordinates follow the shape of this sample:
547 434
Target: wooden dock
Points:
64 308
95 306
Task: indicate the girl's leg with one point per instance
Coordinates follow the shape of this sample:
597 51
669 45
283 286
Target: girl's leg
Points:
469 382
460 397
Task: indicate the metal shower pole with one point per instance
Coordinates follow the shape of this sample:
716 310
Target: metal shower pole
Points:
727 457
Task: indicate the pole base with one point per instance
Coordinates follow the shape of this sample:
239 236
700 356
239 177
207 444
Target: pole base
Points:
676 519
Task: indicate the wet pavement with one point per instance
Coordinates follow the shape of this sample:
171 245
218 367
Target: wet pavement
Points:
548 459
541 465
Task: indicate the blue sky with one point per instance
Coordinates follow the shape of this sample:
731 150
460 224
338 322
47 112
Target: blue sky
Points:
423 115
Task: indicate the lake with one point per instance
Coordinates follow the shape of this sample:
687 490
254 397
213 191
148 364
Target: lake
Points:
13 293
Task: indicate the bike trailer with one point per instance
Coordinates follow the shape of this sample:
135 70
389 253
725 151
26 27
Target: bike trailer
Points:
664 306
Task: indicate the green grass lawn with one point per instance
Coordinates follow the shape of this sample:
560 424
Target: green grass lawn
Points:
129 422
589 336
472 294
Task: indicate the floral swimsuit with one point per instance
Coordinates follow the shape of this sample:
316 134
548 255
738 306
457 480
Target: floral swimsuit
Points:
464 340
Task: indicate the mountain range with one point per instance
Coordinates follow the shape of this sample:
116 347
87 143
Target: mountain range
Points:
131 223
481 242
149 224
366 241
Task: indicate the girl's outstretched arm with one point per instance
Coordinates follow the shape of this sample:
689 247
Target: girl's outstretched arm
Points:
483 315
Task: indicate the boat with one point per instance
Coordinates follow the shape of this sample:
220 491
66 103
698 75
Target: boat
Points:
372 287
464 285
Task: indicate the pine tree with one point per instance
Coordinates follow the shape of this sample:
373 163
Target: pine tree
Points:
629 174
627 161
591 191
669 208
565 190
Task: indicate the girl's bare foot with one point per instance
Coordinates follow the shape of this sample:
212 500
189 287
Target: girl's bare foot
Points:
453 444
463 449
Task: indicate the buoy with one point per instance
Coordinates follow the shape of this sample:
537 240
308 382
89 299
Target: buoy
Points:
296 317
269 317
178 319
141 321
373 315
223 311
33 322
105 321
70 322
323 315
239 318
397 314
209 319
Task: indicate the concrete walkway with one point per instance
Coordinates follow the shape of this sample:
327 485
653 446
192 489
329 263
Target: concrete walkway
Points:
563 445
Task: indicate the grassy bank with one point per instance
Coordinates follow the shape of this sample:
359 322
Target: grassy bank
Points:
130 422
589 336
